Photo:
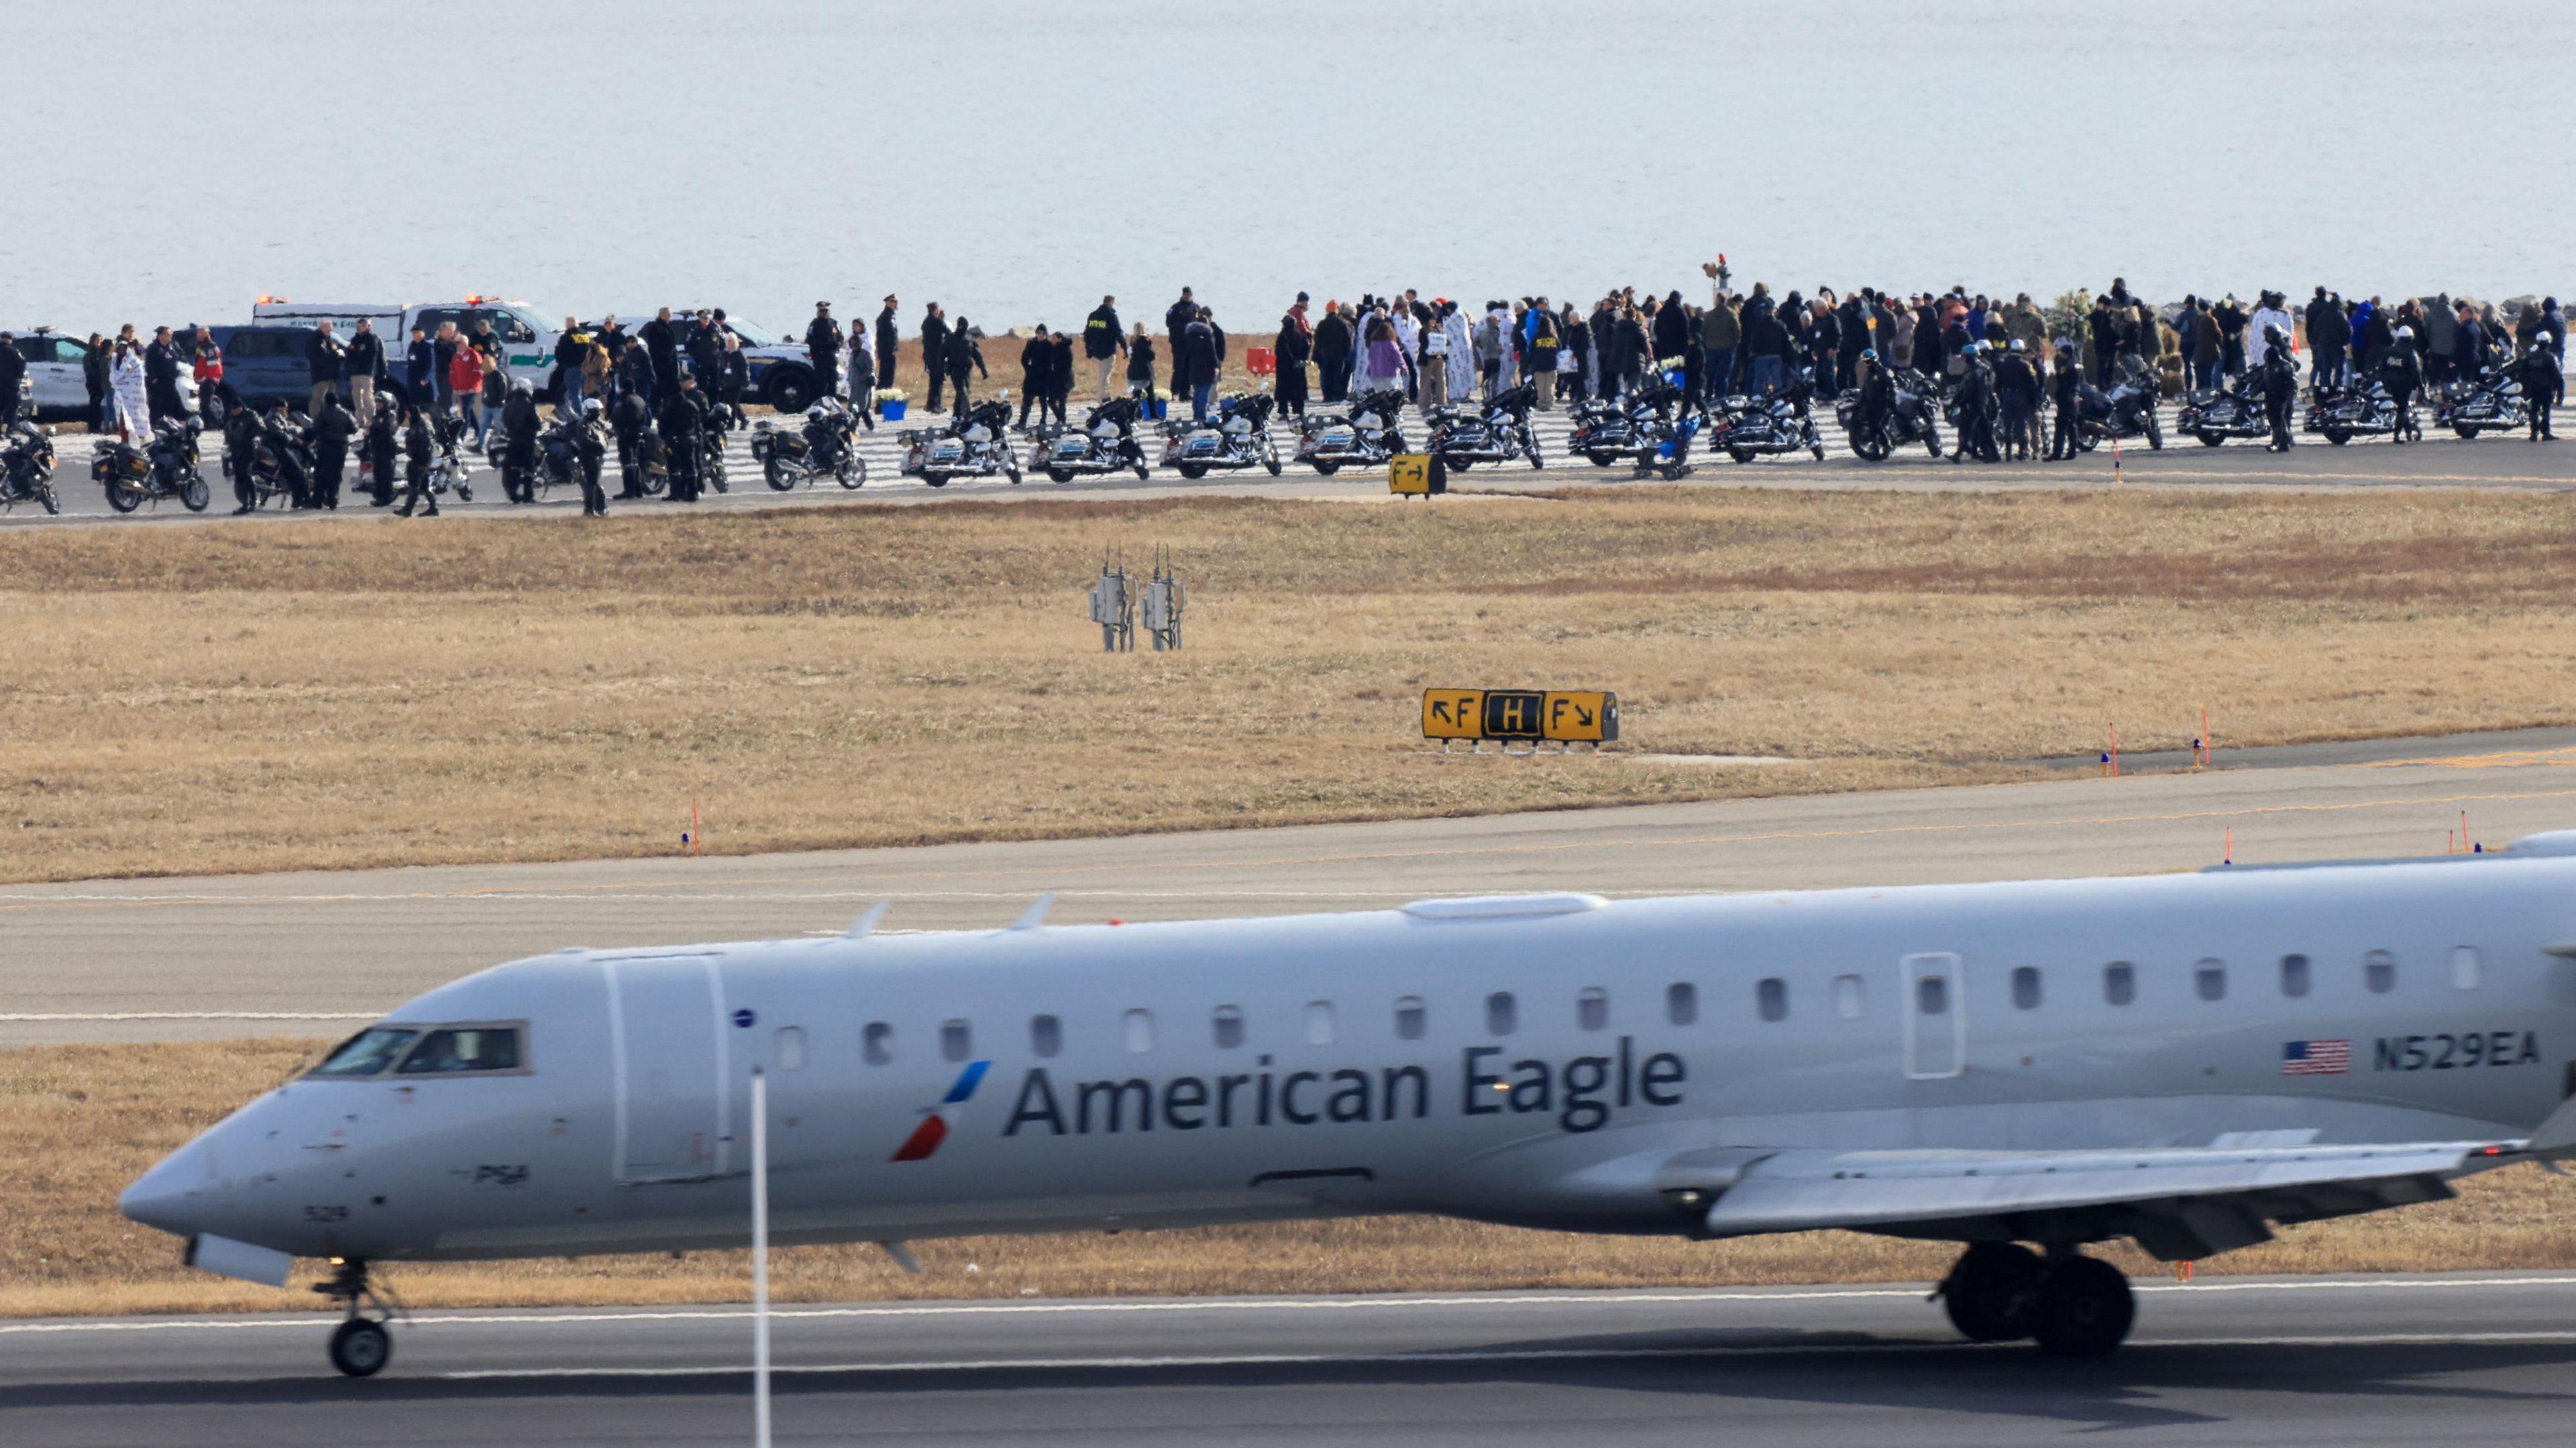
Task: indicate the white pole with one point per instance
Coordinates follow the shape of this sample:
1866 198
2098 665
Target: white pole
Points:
759 1258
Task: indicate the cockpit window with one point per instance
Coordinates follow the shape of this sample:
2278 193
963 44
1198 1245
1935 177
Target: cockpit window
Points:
463 1048
367 1052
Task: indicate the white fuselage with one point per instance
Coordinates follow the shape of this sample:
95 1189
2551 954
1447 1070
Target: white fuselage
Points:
1532 1062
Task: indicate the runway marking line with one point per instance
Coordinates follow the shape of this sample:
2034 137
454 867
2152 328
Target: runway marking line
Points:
1913 1292
1505 1355
661 889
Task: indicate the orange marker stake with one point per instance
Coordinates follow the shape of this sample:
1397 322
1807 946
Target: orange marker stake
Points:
2230 857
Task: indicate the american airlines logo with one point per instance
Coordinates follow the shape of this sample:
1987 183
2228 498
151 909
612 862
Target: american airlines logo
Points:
936 1122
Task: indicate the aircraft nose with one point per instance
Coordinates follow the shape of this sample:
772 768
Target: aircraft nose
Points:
169 1195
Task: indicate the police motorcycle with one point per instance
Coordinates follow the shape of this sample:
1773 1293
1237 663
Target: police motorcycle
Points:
165 467
2360 410
1634 426
1105 443
1238 436
281 461
27 464
976 445
559 448
2215 414
1496 432
826 446
1910 418
2128 410
1365 435
2472 405
1752 427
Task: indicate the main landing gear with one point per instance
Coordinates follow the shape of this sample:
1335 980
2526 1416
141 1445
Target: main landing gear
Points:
2074 1306
360 1346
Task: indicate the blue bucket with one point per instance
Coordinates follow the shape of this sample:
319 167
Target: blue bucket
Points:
890 411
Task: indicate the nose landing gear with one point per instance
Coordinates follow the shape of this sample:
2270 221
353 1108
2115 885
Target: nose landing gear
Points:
360 1346
2072 1305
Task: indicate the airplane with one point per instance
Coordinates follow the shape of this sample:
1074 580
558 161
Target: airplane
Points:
2021 1068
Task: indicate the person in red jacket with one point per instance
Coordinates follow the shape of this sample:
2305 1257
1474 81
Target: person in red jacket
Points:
465 374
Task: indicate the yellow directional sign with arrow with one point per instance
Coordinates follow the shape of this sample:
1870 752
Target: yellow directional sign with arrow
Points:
1570 716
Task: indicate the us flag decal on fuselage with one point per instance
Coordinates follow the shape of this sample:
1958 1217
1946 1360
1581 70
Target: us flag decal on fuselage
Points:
2316 1058
933 1129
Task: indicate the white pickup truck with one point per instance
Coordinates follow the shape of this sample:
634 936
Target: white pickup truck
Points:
527 335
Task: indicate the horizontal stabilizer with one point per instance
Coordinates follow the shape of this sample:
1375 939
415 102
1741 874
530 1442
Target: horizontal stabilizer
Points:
2558 1133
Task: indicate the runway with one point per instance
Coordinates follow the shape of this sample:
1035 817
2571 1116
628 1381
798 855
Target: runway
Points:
313 954
2495 461
2481 1358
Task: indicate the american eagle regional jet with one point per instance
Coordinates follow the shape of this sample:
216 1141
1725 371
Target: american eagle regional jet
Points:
2020 1068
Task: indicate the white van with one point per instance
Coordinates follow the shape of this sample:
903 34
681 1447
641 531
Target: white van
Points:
527 335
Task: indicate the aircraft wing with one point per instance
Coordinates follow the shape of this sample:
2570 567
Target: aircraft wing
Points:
2179 1202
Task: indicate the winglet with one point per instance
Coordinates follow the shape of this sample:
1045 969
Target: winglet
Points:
866 925
2558 1133
2563 949
901 1252
1036 914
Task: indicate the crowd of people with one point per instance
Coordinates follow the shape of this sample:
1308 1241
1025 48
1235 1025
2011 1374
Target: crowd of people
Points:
678 376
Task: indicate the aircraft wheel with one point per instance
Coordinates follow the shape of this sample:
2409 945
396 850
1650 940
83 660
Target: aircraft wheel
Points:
360 1348
1991 1293
2084 1308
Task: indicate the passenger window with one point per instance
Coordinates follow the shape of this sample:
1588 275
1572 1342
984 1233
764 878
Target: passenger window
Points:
2466 969
2209 980
1771 997
2119 982
2026 987
1681 1003
1849 998
1138 1026
876 1043
1229 1027
367 1052
2379 972
1592 1008
956 1040
2294 975
463 1048
1501 1015
1046 1035
1932 995
1409 1018
1319 1023
791 1048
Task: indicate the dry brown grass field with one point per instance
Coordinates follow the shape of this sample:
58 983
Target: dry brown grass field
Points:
359 692
79 1122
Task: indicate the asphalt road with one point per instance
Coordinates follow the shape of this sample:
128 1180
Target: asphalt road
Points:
2442 461
310 954
2482 1358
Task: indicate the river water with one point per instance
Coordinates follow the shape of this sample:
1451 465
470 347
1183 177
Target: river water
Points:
168 160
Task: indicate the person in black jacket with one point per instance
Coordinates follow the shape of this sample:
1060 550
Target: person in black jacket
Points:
380 456
2401 372
1333 353
733 380
934 349
364 365
590 452
1140 365
706 351
1176 320
662 349
684 419
415 436
519 445
2017 398
888 338
332 429
161 377
1102 341
13 367
1976 397
1197 364
1295 344
2329 332
241 445
1037 374
2280 388
2542 385
823 349
963 356
632 420
2066 387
